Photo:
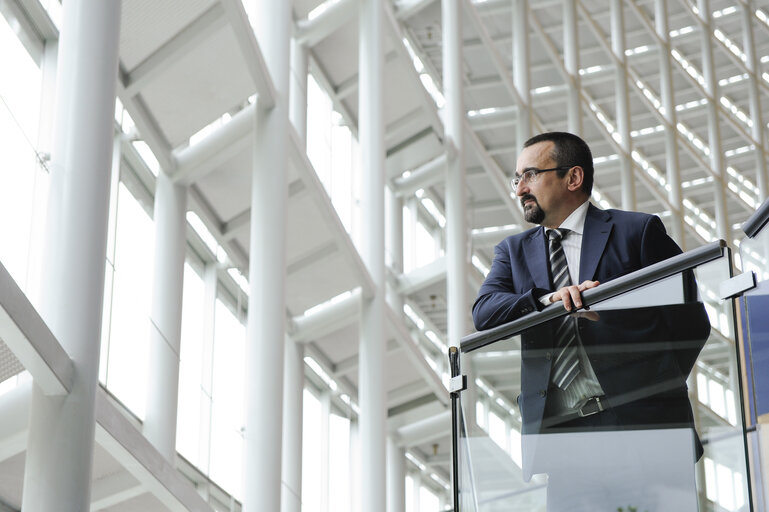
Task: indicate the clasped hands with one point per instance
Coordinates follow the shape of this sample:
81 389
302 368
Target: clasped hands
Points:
571 296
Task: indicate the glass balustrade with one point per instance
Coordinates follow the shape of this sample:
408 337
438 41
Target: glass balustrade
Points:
654 420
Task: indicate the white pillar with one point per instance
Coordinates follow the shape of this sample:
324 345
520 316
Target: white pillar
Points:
395 245
166 315
723 229
265 341
623 104
396 477
667 97
747 9
293 377
521 68
371 390
293 407
210 292
325 451
298 92
59 457
571 63
456 223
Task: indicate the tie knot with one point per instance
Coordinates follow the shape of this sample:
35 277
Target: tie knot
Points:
557 234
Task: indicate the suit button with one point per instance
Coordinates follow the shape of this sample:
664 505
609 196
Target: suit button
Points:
526 309
543 393
549 356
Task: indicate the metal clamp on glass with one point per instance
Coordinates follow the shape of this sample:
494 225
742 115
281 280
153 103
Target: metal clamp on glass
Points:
457 384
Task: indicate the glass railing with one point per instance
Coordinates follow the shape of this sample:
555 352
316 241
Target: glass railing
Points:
754 322
652 421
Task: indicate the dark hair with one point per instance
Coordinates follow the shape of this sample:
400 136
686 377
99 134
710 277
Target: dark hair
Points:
569 150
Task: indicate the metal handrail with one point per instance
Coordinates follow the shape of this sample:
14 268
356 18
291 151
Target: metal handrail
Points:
757 221
623 284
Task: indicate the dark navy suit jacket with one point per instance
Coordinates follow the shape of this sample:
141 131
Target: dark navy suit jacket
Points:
614 243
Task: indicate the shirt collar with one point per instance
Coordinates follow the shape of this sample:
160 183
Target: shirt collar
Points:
576 220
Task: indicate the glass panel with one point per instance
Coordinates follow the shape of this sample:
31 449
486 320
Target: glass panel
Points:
754 253
651 421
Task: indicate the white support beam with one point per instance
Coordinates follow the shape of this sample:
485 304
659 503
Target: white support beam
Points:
311 32
113 489
135 453
327 320
31 341
417 358
195 162
491 237
406 393
408 8
425 430
422 277
424 176
500 182
350 364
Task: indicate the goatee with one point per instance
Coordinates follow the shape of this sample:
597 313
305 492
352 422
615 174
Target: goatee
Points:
532 213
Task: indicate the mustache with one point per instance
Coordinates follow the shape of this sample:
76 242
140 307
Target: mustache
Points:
527 197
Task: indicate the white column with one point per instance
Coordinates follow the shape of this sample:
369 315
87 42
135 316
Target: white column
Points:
325 451
571 63
714 130
673 174
371 390
293 377
298 92
166 315
623 104
456 223
747 9
396 477
293 407
355 469
394 245
521 68
210 291
265 342
59 457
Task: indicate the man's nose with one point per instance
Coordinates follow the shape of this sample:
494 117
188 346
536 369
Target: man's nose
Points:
521 189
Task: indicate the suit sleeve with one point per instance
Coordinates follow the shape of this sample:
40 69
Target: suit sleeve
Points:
501 299
656 245
688 324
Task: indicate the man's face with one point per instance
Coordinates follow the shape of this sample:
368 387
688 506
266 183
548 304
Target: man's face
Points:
539 196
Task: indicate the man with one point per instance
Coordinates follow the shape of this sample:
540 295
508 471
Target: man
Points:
581 374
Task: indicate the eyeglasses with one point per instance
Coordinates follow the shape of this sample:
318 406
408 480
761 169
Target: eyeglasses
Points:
530 175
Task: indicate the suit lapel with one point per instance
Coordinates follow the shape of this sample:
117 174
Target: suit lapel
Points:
536 258
598 226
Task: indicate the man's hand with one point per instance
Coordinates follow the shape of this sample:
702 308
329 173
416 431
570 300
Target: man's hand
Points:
572 295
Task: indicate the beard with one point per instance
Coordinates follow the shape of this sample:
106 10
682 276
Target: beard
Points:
533 212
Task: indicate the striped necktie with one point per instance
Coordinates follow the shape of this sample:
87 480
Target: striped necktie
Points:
566 363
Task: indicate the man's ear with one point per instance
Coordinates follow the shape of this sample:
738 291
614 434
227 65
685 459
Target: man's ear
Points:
575 178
